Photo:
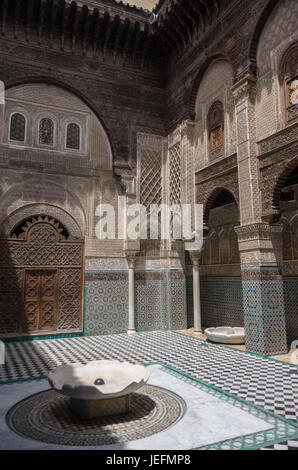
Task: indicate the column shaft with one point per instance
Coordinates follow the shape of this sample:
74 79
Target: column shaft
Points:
131 300
196 299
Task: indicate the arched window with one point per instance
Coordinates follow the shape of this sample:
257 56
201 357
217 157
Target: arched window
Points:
17 127
290 78
216 131
46 131
73 136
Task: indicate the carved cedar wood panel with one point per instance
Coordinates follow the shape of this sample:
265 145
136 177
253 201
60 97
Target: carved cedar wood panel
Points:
41 278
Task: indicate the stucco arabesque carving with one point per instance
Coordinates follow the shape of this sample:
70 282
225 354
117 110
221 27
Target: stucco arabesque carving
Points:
127 175
244 89
272 166
260 244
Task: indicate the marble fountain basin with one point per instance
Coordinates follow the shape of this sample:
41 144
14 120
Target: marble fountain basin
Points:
99 388
226 335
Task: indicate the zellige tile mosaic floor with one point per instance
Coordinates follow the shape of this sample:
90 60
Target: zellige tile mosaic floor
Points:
267 383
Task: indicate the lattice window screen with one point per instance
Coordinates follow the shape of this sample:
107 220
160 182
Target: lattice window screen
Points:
175 174
17 127
150 191
73 136
46 131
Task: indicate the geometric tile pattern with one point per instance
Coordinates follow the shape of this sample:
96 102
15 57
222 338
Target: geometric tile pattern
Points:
265 382
176 307
106 310
270 384
221 301
284 445
264 316
148 305
159 302
291 312
189 302
280 428
47 417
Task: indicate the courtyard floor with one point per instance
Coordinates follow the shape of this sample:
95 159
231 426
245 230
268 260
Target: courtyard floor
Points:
258 396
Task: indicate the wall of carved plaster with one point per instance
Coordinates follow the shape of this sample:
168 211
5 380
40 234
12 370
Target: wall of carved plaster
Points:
36 101
152 178
215 86
279 33
63 183
22 195
220 255
289 219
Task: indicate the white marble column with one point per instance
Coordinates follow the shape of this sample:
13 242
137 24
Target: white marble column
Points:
196 294
131 294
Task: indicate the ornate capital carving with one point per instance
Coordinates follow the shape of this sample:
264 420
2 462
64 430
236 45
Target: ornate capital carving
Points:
131 257
260 244
195 257
127 174
187 129
245 89
258 231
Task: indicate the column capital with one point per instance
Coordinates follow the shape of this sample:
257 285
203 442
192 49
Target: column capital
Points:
131 257
260 244
195 257
258 230
244 88
127 174
187 129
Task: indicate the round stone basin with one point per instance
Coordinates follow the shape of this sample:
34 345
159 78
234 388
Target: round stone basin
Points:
226 335
80 381
99 388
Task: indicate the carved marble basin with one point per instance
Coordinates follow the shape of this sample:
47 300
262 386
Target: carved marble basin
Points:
100 388
226 335
98 379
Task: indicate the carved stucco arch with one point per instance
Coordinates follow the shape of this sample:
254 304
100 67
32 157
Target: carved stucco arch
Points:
269 7
29 210
212 196
47 183
279 183
66 86
198 79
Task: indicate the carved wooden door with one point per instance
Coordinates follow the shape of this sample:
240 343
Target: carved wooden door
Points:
40 300
41 279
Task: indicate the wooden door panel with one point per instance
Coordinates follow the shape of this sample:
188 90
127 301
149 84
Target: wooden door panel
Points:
40 300
48 300
31 303
47 316
30 320
48 284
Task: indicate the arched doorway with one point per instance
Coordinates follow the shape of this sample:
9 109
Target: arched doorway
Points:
221 287
287 204
41 269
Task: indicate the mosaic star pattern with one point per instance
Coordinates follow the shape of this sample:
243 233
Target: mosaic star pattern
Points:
264 316
47 417
221 301
270 384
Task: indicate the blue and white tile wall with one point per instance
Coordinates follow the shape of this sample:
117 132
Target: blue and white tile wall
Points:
159 301
221 301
